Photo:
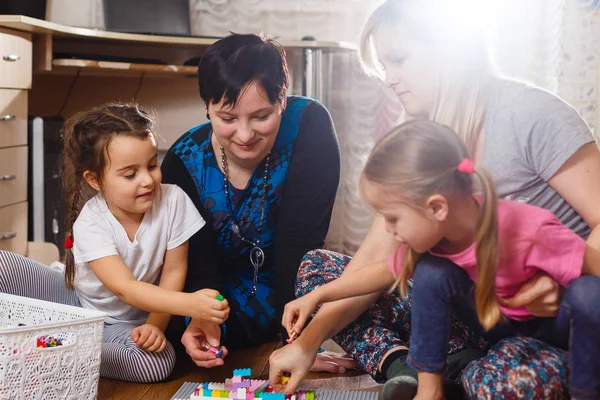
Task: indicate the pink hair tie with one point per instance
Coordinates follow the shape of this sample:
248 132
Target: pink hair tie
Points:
467 166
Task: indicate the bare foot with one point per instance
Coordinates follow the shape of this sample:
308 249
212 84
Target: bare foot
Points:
336 363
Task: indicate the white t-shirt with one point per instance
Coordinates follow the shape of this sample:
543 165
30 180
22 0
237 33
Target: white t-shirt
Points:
171 221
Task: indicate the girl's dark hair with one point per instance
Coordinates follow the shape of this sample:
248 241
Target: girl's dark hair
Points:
85 142
231 63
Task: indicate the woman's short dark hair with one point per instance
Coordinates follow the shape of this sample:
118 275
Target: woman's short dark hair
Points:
231 63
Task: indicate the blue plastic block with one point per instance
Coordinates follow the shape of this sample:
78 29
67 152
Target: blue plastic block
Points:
242 372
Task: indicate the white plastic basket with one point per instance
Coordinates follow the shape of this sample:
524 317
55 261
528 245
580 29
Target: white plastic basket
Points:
70 371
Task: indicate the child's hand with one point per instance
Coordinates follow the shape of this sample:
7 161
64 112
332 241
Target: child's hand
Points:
150 338
297 312
207 308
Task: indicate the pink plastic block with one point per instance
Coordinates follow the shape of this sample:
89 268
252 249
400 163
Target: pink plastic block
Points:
244 384
257 384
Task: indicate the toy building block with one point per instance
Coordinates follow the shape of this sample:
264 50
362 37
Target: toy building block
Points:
244 384
257 385
273 396
216 386
242 372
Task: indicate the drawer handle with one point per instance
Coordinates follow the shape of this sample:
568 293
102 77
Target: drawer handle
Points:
11 57
8 177
8 117
8 235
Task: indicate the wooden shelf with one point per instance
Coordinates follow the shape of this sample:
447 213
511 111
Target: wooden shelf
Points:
38 26
90 67
50 39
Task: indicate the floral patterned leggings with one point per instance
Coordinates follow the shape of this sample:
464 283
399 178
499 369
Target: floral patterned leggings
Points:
515 368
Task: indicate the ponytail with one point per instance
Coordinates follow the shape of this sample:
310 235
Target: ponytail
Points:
69 257
72 177
487 254
411 257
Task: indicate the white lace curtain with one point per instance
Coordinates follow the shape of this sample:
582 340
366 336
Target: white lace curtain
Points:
552 43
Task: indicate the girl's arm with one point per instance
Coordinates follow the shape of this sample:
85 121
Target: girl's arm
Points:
370 279
117 277
172 278
331 318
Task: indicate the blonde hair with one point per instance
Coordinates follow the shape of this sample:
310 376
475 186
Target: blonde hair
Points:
466 79
419 159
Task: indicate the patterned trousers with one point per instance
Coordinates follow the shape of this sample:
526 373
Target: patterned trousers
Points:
515 368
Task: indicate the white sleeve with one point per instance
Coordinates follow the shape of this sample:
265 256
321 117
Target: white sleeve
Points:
184 218
92 239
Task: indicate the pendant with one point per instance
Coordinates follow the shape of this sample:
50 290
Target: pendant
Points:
257 257
235 228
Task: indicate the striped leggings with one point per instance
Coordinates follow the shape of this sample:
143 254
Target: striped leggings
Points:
121 359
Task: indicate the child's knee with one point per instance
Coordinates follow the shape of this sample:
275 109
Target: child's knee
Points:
583 296
434 273
155 367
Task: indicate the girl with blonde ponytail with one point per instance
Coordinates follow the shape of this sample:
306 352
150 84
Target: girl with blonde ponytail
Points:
438 205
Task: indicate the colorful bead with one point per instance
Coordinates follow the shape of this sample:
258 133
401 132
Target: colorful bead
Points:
48 341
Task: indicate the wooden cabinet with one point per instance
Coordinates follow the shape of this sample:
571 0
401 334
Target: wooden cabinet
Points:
15 79
15 59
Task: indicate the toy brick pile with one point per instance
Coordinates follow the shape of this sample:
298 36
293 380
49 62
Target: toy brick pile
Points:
240 387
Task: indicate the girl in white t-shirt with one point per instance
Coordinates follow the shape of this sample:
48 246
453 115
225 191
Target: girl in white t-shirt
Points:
127 251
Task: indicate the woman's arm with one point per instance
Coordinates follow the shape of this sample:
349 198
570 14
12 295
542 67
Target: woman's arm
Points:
203 268
307 199
561 149
591 263
172 278
577 181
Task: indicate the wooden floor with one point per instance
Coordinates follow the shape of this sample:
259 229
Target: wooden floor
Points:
256 358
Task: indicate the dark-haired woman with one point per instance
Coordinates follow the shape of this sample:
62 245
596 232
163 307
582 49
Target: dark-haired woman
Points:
263 172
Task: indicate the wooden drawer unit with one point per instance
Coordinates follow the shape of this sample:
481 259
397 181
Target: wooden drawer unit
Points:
13 175
13 117
13 228
15 59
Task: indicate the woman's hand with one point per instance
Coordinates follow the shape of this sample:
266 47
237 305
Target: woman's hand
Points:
296 312
540 295
149 337
195 338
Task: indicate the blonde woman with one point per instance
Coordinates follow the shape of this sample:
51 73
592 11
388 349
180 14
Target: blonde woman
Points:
536 147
